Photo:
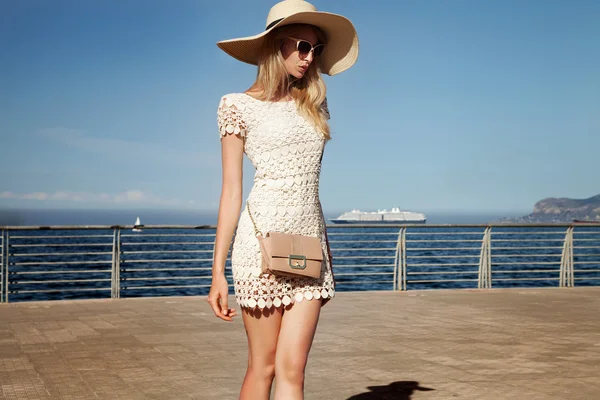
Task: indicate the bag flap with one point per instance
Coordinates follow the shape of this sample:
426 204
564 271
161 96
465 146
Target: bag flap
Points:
282 245
265 248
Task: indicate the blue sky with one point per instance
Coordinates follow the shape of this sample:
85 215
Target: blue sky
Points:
482 106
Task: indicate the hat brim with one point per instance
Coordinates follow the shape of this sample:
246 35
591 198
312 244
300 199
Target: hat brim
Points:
340 53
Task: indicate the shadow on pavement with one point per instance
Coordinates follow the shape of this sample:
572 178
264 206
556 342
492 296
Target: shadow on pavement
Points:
401 390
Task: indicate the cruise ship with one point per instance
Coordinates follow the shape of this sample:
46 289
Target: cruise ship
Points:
395 216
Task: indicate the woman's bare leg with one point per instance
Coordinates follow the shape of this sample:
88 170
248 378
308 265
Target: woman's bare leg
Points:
298 327
262 330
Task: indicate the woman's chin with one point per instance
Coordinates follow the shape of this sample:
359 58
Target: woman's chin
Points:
297 74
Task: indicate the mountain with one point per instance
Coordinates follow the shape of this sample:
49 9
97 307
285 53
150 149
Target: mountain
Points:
563 210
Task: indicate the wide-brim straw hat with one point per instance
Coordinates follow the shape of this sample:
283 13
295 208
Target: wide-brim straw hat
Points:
341 50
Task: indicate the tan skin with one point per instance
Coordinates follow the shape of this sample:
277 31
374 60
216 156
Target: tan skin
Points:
280 338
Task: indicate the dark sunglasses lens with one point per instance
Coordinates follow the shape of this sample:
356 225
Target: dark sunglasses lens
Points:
304 47
319 50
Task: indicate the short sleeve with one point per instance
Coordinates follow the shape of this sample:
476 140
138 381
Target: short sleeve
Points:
325 109
230 118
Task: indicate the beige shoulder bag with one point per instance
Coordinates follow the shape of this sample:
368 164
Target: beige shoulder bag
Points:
289 255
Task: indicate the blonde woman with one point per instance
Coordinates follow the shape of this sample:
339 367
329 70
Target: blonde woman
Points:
281 124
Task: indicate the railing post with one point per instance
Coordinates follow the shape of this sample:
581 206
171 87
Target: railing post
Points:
396 262
572 261
485 261
118 264
6 259
3 266
403 259
400 261
115 275
567 278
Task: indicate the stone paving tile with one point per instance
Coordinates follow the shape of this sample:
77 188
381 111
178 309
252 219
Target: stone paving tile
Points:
486 345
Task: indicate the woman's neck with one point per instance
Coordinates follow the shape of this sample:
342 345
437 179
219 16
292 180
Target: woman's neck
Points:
259 94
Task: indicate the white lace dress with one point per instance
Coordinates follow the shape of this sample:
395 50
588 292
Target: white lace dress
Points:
286 152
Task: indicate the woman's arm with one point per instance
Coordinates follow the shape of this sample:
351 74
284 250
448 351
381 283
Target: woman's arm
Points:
233 131
232 150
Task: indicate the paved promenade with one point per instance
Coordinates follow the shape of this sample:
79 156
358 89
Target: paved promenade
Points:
499 344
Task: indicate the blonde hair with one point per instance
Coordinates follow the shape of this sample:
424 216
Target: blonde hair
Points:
274 81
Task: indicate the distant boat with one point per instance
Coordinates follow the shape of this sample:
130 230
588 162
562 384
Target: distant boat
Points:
395 216
583 221
138 225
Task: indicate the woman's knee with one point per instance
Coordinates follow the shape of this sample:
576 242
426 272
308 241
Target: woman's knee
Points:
291 368
263 369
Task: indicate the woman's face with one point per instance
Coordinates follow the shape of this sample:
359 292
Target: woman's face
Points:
296 63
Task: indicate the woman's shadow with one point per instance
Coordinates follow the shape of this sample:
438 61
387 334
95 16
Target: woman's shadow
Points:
401 390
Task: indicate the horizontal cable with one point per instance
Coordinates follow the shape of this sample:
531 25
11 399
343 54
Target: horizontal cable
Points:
525 262
60 263
363 241
395 233
443 241
526 247
525 279
446 256
363 257
164 287
166 261
166 251
62 245
526 233
408 233
92 253
527 271
361 265
61 272
443 248
145 235
61 281
158 278
166 269
443 273
60 237
527 240
442 265
163 243
527 255
363 273
58 290
365 249
409 282
361 282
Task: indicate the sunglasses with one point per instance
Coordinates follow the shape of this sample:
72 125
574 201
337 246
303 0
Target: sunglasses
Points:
304 47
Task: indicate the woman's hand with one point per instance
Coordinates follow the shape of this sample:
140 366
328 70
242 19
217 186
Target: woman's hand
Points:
218 298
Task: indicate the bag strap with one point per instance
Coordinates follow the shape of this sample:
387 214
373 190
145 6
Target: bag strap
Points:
252 219
326 237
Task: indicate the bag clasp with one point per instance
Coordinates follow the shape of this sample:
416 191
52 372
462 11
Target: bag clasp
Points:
297 261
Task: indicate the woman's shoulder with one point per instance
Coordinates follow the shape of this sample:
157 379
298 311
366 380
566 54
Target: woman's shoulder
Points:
233 99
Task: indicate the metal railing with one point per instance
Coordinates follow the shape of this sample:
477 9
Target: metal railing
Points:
39 263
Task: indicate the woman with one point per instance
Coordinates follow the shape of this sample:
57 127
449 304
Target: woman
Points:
281 125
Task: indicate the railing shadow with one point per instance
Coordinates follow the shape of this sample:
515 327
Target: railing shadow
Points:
400 390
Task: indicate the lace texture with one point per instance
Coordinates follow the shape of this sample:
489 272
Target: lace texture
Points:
230 119
286 152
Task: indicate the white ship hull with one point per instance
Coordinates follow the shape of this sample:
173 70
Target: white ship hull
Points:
395 216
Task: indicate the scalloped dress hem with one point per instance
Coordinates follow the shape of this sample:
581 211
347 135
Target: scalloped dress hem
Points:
282 301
